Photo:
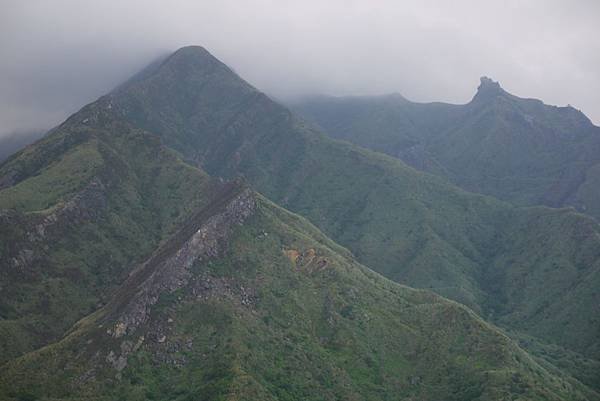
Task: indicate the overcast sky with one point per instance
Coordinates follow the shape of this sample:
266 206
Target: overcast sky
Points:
57 55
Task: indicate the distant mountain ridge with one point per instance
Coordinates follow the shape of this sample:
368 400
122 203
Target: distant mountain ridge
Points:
515 149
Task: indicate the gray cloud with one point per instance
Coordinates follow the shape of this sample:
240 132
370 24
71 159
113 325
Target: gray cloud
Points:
58 55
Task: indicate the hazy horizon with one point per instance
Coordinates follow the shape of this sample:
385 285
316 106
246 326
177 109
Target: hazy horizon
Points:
430 51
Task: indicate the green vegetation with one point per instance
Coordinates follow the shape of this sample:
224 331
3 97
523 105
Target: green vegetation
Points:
285 313
55 181
317 327
89 240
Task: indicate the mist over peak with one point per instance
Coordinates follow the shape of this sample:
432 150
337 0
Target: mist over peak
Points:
430 51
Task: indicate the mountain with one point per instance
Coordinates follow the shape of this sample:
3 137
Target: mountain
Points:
78 208
105 217
533 270
515 149
126 273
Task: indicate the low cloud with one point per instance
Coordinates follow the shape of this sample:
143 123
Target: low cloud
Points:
57 56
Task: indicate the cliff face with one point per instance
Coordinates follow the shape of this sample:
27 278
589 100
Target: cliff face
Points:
125 323
168 269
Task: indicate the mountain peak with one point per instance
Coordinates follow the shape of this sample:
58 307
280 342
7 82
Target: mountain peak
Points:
192 51
488 82
188 62
180 65
488 88
191 58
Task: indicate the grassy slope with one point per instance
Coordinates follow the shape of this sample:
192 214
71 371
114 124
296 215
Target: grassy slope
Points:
512 148
410 226
79 259
310 332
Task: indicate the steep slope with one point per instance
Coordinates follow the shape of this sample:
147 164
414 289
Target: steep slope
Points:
251 302
515 149
77 209
412 227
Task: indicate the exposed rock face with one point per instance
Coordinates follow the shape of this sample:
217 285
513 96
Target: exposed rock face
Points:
87 204
36 230
205 286
169 268
308 259
205 236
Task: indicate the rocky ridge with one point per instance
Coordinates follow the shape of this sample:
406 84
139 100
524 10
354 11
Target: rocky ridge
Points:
168 269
